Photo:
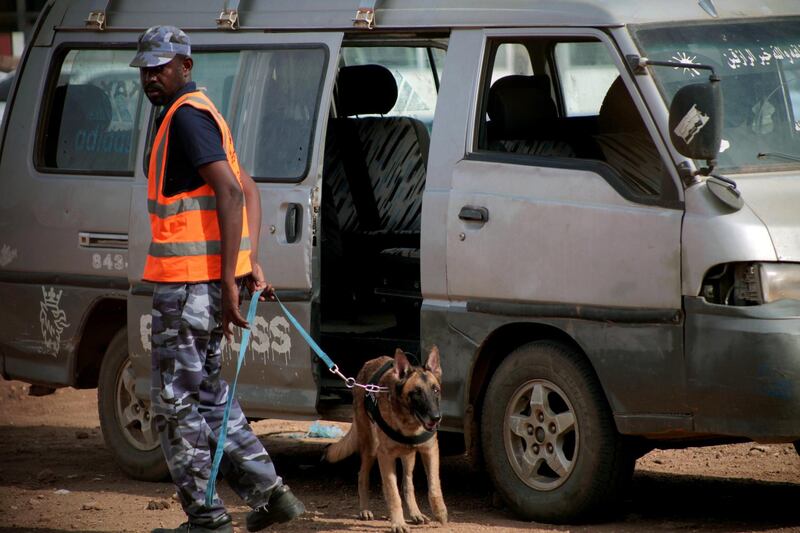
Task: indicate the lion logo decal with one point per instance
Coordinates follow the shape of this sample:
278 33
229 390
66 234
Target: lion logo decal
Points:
53 320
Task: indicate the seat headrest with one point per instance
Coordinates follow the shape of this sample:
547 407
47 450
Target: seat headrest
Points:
618 112
517 103
85 105
365 90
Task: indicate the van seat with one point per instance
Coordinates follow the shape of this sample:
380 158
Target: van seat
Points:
625 142
523 118
375 166
85 117
374 171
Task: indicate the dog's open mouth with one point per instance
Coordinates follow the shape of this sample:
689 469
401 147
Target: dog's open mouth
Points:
428 424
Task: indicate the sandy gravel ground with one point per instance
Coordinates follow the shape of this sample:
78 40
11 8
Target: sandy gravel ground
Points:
56 475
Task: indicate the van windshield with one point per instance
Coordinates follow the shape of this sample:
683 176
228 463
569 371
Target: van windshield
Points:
759 64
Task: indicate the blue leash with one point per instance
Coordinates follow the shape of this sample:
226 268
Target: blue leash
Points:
349 382
251 314
223 430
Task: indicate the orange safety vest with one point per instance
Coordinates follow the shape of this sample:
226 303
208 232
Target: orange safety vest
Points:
186 245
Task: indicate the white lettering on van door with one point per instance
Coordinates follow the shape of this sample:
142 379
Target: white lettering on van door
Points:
281 340
52 320
259 342
7 254
268 340
691 124
145 332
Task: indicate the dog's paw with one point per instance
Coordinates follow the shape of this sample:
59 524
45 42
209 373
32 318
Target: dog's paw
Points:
366 514
419 519
441 516
400 528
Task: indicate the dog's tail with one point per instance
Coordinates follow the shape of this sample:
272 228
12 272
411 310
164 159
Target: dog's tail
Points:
344 447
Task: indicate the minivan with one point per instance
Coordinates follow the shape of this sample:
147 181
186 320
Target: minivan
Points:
590 207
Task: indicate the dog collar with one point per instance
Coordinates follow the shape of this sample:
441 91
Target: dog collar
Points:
374 413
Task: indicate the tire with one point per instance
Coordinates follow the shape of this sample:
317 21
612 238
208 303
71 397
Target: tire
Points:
560 459
125 420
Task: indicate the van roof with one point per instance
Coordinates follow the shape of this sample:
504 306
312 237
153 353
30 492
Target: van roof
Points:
419 14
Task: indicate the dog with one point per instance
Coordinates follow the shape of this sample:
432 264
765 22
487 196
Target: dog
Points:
402 421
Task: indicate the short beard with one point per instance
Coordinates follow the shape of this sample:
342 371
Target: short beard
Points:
158 100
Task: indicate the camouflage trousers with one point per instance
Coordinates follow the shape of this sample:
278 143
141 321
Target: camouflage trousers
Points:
189 399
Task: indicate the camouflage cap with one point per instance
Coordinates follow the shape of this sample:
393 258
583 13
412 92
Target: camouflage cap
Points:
159 44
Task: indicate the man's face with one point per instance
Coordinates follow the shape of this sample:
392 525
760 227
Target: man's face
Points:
161 83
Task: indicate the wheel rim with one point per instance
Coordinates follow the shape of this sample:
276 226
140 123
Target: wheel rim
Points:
540 434
133 415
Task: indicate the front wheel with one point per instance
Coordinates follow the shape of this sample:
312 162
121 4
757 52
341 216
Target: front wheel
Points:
549 439
126 421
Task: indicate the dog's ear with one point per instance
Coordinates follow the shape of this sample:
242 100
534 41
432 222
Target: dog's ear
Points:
433 365
401 365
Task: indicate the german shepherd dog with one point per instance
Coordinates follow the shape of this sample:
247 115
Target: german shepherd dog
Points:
409 409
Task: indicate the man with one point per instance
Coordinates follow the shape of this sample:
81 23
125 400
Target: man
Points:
205 216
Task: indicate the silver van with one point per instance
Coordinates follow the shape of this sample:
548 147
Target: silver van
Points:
590 206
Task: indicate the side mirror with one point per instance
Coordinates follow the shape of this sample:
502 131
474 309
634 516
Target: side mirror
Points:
695 120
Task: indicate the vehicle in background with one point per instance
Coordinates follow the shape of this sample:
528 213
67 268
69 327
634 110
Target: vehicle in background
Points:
5 89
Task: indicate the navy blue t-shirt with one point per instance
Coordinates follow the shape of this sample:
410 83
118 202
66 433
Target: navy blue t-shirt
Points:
194 140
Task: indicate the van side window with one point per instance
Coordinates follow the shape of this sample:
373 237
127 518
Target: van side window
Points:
92 119
572 107
270 100
586 73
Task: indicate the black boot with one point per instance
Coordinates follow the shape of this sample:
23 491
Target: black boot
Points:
282 507
221 524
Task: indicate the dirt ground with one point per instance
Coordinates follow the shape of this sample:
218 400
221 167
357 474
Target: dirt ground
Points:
56 475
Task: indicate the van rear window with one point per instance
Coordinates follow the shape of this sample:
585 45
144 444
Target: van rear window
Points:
93 114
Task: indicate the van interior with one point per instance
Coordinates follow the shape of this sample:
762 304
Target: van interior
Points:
537 108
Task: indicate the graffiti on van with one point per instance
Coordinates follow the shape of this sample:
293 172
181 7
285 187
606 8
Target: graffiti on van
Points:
146 332
7 255
52 320
270 340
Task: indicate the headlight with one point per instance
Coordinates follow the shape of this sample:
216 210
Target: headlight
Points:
779 281
751 283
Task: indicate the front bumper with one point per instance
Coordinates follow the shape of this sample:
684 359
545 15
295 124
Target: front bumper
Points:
743 369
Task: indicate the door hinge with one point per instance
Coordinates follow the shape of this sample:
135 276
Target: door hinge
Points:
97 15
229 17
365 14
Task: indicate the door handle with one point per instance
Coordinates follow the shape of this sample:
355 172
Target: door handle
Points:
294 222
470 213
103 240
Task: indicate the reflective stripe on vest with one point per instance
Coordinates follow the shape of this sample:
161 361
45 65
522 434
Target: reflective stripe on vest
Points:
181 249
185 227
198 203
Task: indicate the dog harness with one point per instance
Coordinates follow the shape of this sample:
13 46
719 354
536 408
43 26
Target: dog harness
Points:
374 413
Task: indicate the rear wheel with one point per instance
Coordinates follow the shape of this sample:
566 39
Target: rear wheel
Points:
549 439
126 421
